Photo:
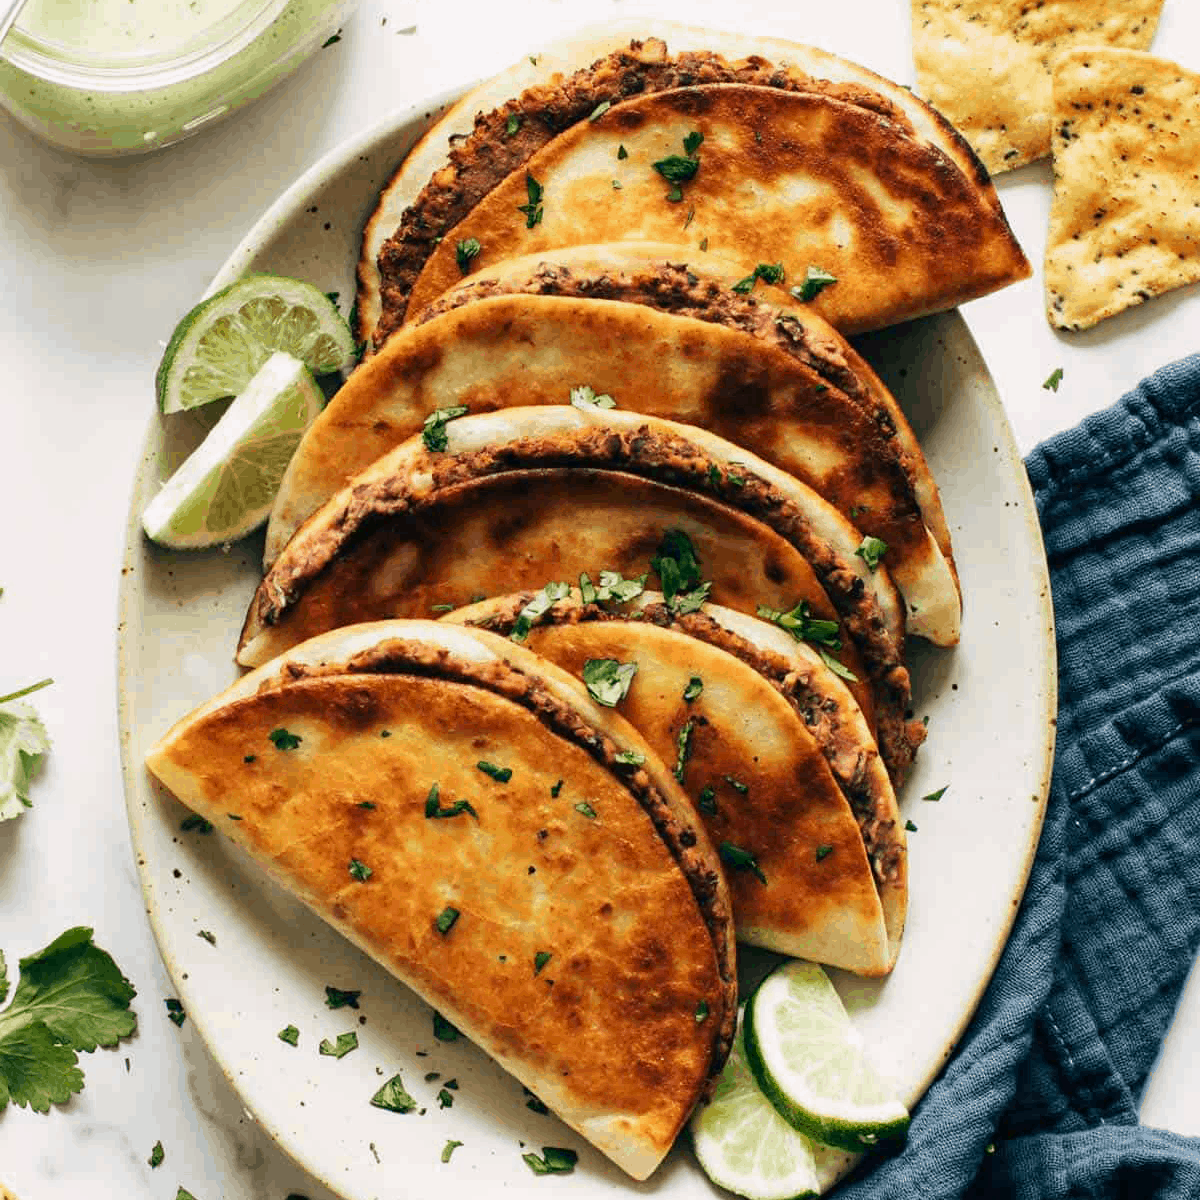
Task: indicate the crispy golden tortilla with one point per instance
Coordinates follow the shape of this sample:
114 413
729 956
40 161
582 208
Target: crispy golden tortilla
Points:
525 495
987 64
745 754
1125 220
518 111
629 903
783 385
791 177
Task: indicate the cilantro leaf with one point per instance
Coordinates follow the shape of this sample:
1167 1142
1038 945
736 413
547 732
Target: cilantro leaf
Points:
532 210
803 626
23 743
600 110
512 125
815 282
70 996
465 250
336 998
443 1030
554 1160
433 428
1056 377
678 568
584 396
683 748
339 1049
701 1012
156 1155
449 1148
499 774
607 680
743 860
435 812
289 1034
394 1097
694 688
283 739
537 608
678 170
767 272
932 796
871 550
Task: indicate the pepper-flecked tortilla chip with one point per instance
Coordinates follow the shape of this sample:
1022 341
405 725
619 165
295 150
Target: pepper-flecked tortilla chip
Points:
986 65
1125 220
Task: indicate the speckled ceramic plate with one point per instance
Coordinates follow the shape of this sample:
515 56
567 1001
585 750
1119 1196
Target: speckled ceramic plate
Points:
990 705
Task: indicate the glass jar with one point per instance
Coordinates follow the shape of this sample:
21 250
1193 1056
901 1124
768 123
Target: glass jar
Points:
109 77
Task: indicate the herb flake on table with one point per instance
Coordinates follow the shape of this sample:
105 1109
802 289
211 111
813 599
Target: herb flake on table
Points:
345 1043
394 1097
1054 379
443 1030
70 997
449 1148
157 1154
175 1013
23 745
936 795
910 826
554 1160
608 680
289 1034
337 998
206 935
533 1103
445 1099
195 822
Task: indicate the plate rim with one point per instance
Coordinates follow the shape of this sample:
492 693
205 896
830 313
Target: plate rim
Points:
285 208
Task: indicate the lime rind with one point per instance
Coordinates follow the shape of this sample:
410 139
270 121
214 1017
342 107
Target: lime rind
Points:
745 1146
222 343
226 487
810 1062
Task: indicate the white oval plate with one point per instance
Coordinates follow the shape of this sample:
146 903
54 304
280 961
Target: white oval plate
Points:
990 705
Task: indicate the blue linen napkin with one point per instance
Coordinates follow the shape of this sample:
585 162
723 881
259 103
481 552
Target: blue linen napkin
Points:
1040 1101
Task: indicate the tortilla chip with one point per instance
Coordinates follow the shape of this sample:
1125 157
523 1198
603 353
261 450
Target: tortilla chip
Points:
986 64
1125 221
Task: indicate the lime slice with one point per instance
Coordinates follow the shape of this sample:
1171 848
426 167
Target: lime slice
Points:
227 485
222 342
745 1146
809 1060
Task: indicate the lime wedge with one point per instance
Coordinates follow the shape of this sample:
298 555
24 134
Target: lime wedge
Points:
228 483
809 1060
744 1145
224 340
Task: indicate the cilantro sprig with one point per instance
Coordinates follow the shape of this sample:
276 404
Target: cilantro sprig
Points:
804 627
767 272
70 996
23 744
678 568
608 680
679 169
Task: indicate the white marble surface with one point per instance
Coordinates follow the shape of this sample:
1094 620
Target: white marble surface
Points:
98 260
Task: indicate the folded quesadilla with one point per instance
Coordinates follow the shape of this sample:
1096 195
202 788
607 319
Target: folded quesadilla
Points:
569 85
562 907
480 505
656 338
717 707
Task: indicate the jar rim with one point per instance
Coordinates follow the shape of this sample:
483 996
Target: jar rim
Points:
140 70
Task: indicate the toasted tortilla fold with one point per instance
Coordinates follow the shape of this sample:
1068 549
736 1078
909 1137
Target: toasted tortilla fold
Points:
1125 219
520 110
747 759
781 387
790 177
630 903
987 64
525 495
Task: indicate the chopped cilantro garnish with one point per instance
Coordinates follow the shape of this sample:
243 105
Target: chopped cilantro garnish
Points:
694 688
584 396
282 739
512 125
340 1048
678 568
554 1160
336 998
737 785
368 804
234 816
704 243
629 758
678 170
196 822
540 959
622 153
936 795
332 40
767 272
616 183
823 850
465 250
586 809
537 608
701 1011
910 827
1055 378
210 938
499 774
613 586
444 921
815 282
183 1194
600 110
445 1099
743 860
443 1030
871 550
708 799
435 812
360 870
532 210
692 143
803 626
607 680
393 1097
433 429
289 1034
157 1155
683 748
556 788
175 1012
451 1145
533 1103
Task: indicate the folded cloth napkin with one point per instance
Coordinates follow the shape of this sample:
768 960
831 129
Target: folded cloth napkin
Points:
1040 1101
